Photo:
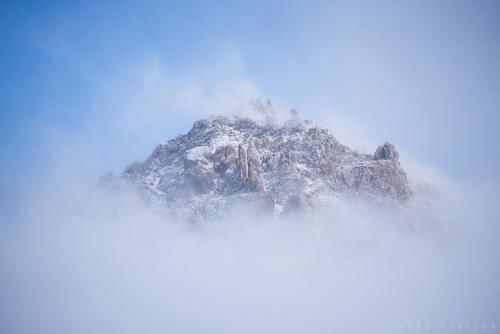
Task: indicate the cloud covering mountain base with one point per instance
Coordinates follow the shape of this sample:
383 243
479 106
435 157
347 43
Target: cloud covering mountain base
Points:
86 261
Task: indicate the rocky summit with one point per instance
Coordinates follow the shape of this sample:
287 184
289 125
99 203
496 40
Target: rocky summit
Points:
227 162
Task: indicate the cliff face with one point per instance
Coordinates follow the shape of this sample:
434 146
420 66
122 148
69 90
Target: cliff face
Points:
225 161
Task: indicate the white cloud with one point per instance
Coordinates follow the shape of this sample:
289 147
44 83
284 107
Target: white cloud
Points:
83 261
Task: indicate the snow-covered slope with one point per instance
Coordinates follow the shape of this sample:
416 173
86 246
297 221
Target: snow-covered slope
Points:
226 161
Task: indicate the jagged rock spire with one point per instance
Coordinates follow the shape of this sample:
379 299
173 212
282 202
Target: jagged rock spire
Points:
264 112
386 152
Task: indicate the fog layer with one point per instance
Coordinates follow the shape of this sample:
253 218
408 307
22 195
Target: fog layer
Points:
81 260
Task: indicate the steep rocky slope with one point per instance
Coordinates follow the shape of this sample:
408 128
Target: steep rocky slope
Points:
225 162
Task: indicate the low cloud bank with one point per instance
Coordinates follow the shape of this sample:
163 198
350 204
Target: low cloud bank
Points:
83 261
75 259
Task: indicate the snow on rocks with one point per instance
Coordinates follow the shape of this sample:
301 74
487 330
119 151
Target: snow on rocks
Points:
223 162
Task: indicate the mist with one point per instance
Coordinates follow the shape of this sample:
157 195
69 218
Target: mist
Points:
77 258
88 88
84 260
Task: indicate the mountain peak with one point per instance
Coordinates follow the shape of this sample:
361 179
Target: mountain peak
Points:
225 160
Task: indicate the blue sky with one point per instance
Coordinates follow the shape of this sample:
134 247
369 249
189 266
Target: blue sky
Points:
422 74
90 86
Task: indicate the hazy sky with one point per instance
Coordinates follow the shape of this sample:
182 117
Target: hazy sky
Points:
89 87
423 74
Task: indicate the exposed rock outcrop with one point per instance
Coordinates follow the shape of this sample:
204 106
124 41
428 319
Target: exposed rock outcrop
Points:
386 152
254 168
222 161
198 169
243 163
